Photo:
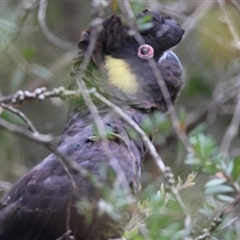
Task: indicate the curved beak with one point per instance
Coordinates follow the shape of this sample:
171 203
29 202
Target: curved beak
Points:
170 56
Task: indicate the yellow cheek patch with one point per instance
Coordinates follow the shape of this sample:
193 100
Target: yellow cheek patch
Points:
120 75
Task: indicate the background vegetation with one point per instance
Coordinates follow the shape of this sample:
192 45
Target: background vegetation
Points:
36 51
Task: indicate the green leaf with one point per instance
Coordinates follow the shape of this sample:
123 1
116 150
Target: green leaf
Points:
179 181
230 169
29 52
145 19
192 161
215 182
144 23
236 168
182 114
17 78
219 189
225 198
147 125
191 177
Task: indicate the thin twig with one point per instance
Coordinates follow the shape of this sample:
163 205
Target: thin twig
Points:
40 138
65 235
28 7
126 9
149 144
49 35
39 93
191 23
136 127
21 131
235 4
232 130
213 226
20 114
5 186
96 28
230 25
229 223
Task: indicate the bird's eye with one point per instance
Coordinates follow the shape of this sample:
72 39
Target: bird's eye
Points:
145 51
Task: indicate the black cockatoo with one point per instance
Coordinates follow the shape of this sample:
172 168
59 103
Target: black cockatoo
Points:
44 204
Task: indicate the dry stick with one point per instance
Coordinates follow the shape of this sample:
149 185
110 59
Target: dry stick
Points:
230 25
232 130
33 134
136 127
19 114
229 223
66 163
37 137
193 22
49 35
21 20
235 4
223 92
149 144
189 23
39 93
65 235
95 30
213 226
5 186
126 9
233 127
47 140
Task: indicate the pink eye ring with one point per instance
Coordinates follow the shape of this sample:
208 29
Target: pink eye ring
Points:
145 51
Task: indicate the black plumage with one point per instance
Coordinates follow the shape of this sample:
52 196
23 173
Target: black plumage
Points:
42 204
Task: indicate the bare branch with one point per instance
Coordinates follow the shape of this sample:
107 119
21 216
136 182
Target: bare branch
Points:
152 150
33 134
231 222
136 127
235 4
213 226
39 93
37 137
19 114
66 235
169 177
5 186
49 35
126 9
232 130
95 30
230 25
